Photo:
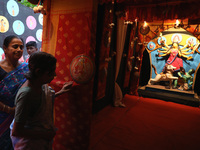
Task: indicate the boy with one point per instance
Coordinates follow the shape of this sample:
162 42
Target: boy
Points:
33 127
31 47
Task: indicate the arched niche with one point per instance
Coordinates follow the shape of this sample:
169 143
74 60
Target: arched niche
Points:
157 55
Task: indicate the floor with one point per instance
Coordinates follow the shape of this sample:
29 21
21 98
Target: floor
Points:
146 124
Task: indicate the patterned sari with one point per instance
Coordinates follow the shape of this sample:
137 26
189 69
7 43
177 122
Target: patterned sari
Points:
9 86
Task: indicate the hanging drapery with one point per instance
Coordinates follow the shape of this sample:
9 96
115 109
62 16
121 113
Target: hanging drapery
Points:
121 36
164 12
69 30
150 10
104 49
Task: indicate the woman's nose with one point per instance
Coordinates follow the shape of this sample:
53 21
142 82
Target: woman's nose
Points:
20 47
20 50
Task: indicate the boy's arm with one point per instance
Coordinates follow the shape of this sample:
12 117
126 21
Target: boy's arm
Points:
66 87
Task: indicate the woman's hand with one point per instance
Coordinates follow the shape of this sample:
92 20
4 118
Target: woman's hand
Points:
7 109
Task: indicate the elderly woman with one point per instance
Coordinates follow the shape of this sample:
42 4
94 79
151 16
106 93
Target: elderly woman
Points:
11 78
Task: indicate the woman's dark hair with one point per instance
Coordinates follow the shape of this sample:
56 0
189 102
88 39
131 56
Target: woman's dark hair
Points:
9 38
42 61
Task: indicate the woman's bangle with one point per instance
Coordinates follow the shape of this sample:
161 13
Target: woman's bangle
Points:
4 106
8 109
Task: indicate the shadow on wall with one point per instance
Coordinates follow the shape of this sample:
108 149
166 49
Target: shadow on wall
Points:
145 69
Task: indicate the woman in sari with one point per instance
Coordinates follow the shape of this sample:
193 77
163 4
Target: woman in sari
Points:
11 78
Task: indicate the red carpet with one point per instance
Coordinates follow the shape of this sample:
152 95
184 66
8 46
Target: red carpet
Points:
146 124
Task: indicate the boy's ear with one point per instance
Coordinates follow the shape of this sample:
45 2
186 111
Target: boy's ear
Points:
37 72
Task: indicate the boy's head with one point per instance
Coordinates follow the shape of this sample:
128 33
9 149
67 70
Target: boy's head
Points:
40 64
31 47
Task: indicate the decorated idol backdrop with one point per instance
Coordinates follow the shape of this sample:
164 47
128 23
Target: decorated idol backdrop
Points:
174 47
17 19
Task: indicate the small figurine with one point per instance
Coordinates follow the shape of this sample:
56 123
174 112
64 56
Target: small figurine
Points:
185 79
175 54
166 75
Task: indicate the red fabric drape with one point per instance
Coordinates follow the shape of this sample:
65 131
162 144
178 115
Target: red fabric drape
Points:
70 31
150 13
73 110
73 39
150 10
104 52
